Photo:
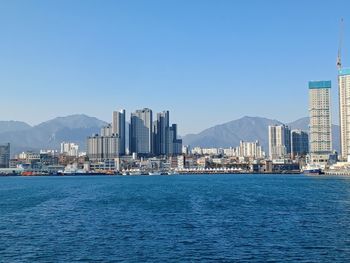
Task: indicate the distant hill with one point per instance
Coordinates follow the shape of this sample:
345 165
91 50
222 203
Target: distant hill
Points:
247 128
9 126
302 124
49 134
230 133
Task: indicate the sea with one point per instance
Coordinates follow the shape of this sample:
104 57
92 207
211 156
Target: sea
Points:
178 218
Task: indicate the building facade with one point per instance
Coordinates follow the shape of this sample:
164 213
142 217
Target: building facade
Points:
344 112
70 149
299 143
174 144
320 138
5 155
118 127
161 134
141 135
279 141
101 148
250 150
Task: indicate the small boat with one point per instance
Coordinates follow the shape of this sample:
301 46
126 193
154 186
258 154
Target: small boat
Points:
154 173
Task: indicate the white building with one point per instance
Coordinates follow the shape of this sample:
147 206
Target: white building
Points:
250 149
230 152
70 149
344 112
320 138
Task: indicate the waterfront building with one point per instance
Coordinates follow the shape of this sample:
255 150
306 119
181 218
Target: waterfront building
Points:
70 149
102 148
5 155
299 143
250 150
344 112
141 132
118 127
279 141
320 139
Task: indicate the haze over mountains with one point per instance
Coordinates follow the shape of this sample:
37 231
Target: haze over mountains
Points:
75 128
49 134
247 129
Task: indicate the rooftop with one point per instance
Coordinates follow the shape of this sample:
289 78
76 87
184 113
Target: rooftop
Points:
323 84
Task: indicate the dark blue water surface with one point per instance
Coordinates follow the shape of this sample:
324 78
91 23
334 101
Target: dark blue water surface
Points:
223 218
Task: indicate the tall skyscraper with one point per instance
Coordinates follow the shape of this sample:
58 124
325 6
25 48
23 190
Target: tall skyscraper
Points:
299 143
174 144
141 132
344 112
320 121
279 141
5 155
118 127
161 134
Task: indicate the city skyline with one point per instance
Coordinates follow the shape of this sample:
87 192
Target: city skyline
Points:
200 63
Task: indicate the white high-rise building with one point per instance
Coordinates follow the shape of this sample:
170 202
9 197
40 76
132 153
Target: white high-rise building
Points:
344 112
250 149
320 138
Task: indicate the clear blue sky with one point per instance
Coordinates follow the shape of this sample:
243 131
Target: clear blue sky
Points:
208 62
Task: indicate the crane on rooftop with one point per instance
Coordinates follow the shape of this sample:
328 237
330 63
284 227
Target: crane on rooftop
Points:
339 65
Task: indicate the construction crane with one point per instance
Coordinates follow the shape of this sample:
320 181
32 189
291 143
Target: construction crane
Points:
340 45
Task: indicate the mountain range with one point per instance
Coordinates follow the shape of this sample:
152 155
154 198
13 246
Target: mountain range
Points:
76 128
248 129
49 134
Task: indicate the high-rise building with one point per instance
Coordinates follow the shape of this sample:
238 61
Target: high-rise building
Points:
320 139
101 148
250 149
118 127
299 143
174 144
161 134
279 141
344 112
141 132
5 155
